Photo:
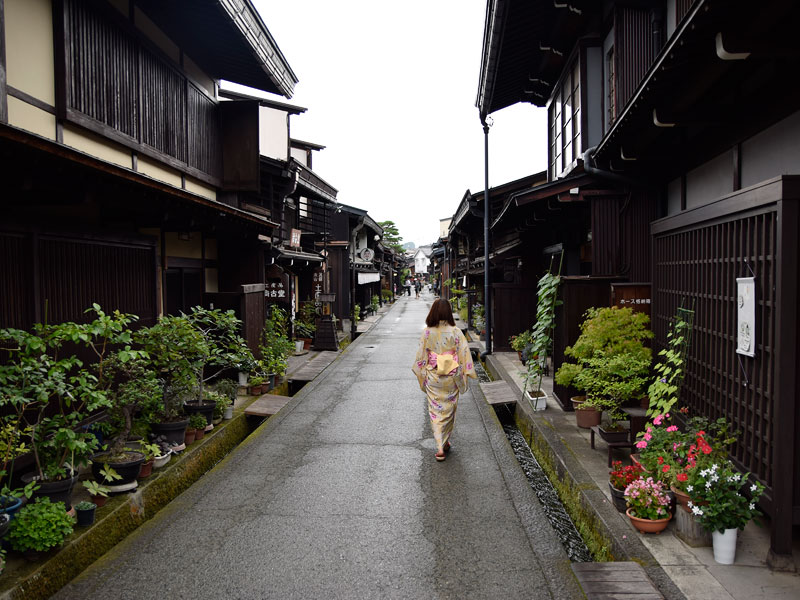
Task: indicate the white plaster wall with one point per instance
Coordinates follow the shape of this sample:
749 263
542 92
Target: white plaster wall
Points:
273 133
299 155
175 246
197 187
28 117
97 146
29 48
709 181
774 151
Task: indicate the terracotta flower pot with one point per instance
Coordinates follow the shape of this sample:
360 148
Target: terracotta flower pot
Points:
588 417
199 434
647 525
147 469
682 497
189 436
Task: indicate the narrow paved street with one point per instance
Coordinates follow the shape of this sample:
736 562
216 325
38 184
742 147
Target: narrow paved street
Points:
339 496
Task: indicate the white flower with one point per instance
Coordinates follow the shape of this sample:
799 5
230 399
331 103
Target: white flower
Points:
715 478
708 485
689 488
714 467
737 476
753 487
690 504
704 473
752 506
697 511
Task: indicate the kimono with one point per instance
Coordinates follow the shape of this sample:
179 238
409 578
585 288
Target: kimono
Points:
443 390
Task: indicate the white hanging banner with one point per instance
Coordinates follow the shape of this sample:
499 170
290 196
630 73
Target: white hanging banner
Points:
746 316
368 277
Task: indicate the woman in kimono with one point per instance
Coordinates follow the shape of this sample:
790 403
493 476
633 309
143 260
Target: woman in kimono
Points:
442 365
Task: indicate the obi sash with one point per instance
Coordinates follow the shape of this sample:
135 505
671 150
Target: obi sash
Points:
445 363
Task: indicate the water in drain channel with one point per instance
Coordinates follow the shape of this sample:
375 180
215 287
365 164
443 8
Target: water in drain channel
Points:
554 510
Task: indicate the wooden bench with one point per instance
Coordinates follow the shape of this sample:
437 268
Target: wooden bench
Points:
615 581
266 406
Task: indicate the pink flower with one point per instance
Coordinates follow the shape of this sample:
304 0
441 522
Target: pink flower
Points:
648 437
641 445
672 428
658 419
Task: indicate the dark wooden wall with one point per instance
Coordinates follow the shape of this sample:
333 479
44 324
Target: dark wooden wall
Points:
58 277
514 311
699 266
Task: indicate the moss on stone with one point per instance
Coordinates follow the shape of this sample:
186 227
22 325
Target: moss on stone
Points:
569 492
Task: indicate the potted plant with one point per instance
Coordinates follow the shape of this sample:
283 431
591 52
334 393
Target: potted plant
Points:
150 451
53 392
177 350
588 413
85 511
226 388
97 492
275 346
620 478
38 527
542 337
611 361
720 502
197 422
648 505
255 387
521 341
305 324
221 348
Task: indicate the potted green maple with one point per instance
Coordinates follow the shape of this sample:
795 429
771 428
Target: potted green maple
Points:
611 363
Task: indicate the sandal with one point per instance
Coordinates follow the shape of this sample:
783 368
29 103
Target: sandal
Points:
440 457
446 447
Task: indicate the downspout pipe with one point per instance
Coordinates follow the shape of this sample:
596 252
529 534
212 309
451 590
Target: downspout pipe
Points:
487 296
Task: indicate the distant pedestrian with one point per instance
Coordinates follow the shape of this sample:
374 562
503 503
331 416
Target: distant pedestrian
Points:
442 366
407 285
417 286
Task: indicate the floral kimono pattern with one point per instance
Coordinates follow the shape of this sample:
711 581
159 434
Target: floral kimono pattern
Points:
443 389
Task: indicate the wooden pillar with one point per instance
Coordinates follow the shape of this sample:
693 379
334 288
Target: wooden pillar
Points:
784 444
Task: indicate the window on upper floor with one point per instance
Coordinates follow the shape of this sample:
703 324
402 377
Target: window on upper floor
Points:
564 119
611 92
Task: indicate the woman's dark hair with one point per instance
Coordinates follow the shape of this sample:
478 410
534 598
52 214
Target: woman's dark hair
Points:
440 311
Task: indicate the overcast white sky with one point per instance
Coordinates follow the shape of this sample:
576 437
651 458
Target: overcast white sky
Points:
390 89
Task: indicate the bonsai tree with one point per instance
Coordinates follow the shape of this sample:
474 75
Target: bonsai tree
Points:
611 361
222 347
47 392
40 526
177 351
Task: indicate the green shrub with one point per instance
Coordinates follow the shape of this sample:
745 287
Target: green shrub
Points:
197 421
40 526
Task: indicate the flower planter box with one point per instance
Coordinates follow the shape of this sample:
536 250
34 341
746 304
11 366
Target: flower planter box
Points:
614 436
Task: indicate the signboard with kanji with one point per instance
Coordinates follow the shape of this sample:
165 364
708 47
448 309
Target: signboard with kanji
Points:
274 289
294 240
631 295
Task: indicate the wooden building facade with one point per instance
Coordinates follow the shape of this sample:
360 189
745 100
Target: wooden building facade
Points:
675 125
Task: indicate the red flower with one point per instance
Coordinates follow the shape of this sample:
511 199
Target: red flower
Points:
682 477
665 468
660 460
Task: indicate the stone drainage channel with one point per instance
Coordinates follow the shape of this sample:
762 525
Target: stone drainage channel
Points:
547 495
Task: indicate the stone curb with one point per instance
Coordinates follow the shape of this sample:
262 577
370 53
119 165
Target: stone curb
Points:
544 542
592 513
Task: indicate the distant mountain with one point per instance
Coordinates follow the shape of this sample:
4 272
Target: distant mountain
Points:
409 246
